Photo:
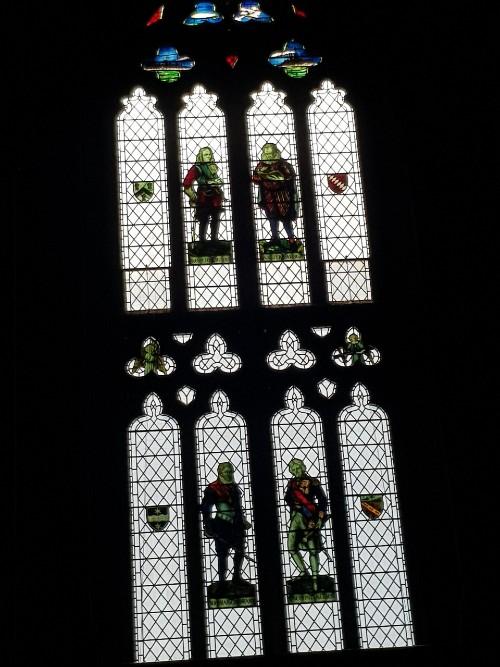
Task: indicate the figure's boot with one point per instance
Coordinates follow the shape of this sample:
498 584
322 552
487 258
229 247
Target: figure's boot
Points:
299 562
314 560
222 568
237 563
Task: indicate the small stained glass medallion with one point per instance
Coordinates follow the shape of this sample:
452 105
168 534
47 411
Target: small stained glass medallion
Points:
293 59
150 361
168 64
216 357
354 351
203 12
250 11
290 354
158 516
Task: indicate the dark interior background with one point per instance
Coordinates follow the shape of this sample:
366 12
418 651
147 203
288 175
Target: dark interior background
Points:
420 84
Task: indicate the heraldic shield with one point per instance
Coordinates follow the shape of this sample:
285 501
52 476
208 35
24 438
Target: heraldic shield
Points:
338 182
158 516
144 190
372 505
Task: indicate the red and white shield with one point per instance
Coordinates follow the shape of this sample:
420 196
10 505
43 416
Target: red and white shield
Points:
338 183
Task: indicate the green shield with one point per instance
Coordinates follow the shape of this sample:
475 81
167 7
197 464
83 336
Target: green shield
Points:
158 516
144 190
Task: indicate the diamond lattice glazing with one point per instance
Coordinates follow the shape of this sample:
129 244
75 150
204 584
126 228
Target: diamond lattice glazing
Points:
381 591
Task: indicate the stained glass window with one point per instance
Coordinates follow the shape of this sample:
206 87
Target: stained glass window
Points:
305 527
283 277
208 225
381 591
145 240
230 576
161 621
339 195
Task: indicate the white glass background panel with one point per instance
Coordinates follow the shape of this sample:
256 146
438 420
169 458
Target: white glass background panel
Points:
297 432
221 436
161 622
270 120
341 216
202 124
144 225
381 591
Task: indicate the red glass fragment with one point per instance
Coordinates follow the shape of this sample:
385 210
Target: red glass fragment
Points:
299 12
231 60
157 16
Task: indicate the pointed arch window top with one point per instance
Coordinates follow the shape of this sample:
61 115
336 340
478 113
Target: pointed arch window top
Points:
152 406
138 98
199 96
268 95
294 398
329 98
360 395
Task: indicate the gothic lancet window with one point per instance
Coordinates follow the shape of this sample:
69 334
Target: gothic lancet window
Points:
161 621
279 227
305 527
225 493
208 226
145 242
339 196
381 591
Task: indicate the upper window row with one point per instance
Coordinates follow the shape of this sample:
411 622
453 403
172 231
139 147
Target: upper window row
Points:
208 221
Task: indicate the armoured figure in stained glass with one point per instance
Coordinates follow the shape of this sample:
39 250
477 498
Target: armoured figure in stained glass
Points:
208 197
227 529
275 177
207 200
308 513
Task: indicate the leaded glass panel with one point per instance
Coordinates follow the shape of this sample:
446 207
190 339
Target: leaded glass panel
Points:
207 209
279 227
144 224
381 591
161 621
339 195
229 572
305 527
